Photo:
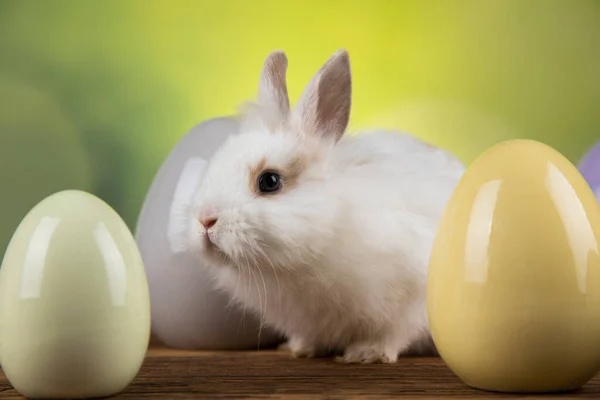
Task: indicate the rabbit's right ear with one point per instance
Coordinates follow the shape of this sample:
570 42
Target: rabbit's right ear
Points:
272 90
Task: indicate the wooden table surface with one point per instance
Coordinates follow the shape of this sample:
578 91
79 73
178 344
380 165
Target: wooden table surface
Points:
176 374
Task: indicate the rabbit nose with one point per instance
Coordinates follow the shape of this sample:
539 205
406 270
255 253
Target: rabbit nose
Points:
208 222
208 216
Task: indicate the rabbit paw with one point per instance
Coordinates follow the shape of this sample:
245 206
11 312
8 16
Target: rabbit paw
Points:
369 353
301 348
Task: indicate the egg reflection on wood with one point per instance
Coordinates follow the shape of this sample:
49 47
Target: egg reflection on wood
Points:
74 301
187 312
514 280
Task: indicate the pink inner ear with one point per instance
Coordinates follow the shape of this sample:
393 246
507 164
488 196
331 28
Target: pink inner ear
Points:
324 107
334 104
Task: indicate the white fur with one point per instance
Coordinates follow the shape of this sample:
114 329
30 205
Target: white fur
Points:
340 261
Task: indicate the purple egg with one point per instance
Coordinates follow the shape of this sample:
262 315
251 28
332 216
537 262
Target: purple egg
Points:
589 166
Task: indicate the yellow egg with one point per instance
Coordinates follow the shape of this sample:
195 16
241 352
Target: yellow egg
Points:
514 279
74 302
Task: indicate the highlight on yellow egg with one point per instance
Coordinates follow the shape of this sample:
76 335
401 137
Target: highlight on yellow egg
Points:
74 301
514 279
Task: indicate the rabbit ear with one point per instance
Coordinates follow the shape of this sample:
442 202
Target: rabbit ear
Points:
324 107
272 90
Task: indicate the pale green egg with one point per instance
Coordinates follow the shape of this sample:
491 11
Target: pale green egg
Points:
74 301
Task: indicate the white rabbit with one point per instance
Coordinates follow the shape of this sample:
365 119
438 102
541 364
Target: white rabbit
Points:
325 236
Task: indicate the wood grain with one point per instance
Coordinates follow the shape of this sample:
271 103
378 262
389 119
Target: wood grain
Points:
177 374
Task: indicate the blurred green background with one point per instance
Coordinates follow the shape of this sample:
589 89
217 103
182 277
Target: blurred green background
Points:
94 94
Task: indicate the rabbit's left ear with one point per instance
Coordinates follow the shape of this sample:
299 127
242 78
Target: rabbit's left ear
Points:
324 107
272 90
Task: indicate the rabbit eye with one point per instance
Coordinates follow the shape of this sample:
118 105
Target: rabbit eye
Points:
269 182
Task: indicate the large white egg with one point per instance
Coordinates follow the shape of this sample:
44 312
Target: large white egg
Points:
74 301
187 312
